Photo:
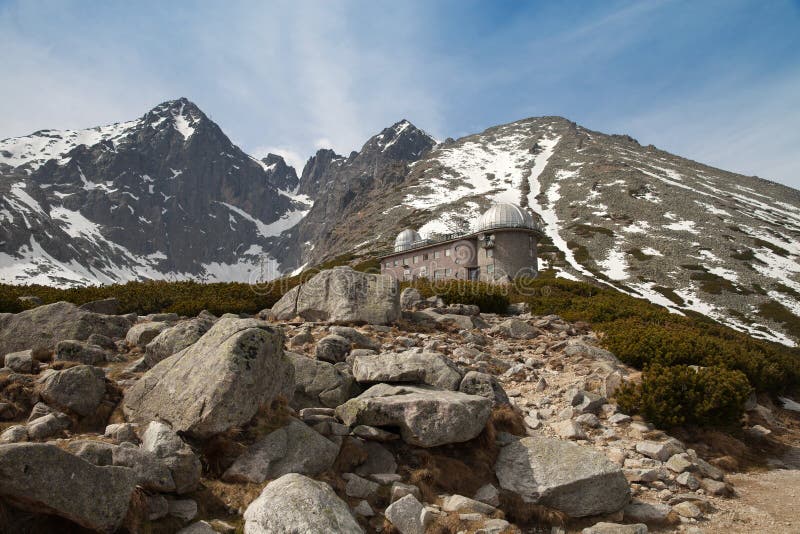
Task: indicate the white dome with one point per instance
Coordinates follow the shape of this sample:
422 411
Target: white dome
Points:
505 215
406 239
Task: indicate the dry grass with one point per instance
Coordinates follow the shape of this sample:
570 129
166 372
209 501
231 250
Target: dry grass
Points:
507 418
216 498
351 455
525 514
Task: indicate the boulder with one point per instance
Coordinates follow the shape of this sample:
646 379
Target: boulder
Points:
295 448
485 385
458 309
615 528
139 335
359 340
48 426
109 306
95 452
122 432
71 350
578 481
295 503
43 478
461 504
243 368
41 328
175 339
14 434
151 473
650 513
426 417
183 463
408 515
332 348
661 451
515 329
410 366
319 383
409 298
21 362
79 389
342 295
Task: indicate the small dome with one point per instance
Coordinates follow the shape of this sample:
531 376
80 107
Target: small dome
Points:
505 215
406 239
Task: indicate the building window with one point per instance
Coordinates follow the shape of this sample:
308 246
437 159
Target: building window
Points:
437 254
396 263
407 261
388 264
447 252
490 268
416 259
438 274
448 272
425 257
423 271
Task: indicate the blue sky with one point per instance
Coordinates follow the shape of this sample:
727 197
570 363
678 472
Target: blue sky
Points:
715 81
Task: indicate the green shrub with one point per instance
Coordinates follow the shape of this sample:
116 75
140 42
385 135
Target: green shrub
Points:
678 395
490 298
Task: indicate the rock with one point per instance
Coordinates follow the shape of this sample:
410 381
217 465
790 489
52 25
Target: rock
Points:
488 494
295 448
122 432
359 487
494 526
157 507
363 509
14 434
715 487
409 298
48 426
619 418
109 306
615 528
21 362
379 460
201 527
408 515
688 509
410 366
141 334
319 383
183 463
458 309
40 476
655 450
568 429
40 329
332 349
295 503
342 295
515 329
183 509
151 473
651 514
30 300
375 434
688 480
170 317
426 417
485 385
243 368
95 452
358 340
78 351
176 338
400 490
591 352
304 337
39 409
79 389
459 503
562 475
589 420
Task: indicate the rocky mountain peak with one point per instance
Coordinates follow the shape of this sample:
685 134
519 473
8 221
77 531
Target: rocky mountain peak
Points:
400 141
280 174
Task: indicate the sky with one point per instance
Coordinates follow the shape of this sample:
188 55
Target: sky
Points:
717 81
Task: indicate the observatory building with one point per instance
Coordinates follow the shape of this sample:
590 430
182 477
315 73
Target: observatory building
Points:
500 248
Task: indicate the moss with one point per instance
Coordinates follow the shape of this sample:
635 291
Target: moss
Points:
587 230
786 290
774 248
638 254
775 311
744 254
670 294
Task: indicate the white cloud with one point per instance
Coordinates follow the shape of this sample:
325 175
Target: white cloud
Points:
291 156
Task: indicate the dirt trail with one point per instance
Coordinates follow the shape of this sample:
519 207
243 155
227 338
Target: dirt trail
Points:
766 502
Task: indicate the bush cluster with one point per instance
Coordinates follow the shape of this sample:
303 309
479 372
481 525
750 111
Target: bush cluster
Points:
680 395
490 298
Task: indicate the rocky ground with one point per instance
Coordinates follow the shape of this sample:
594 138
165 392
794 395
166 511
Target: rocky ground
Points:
428 418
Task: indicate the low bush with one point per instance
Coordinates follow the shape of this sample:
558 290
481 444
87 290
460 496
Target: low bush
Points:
679 395
490 298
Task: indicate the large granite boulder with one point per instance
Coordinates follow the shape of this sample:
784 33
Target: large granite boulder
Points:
41 328
319 383
79 389
109 306
409 298
410 366
333 348
576 480
295 503
342 295
43 478
426 417
21 362
140 334
175 339
172 451
217 383
295 448
485 385
71 350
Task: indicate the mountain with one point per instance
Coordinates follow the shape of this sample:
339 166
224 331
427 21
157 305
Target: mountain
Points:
169 196
164 196
678 233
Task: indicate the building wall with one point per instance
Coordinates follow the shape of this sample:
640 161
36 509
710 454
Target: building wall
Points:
440 260
513 253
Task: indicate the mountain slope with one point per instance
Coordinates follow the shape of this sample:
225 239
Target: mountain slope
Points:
679 233
158 197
